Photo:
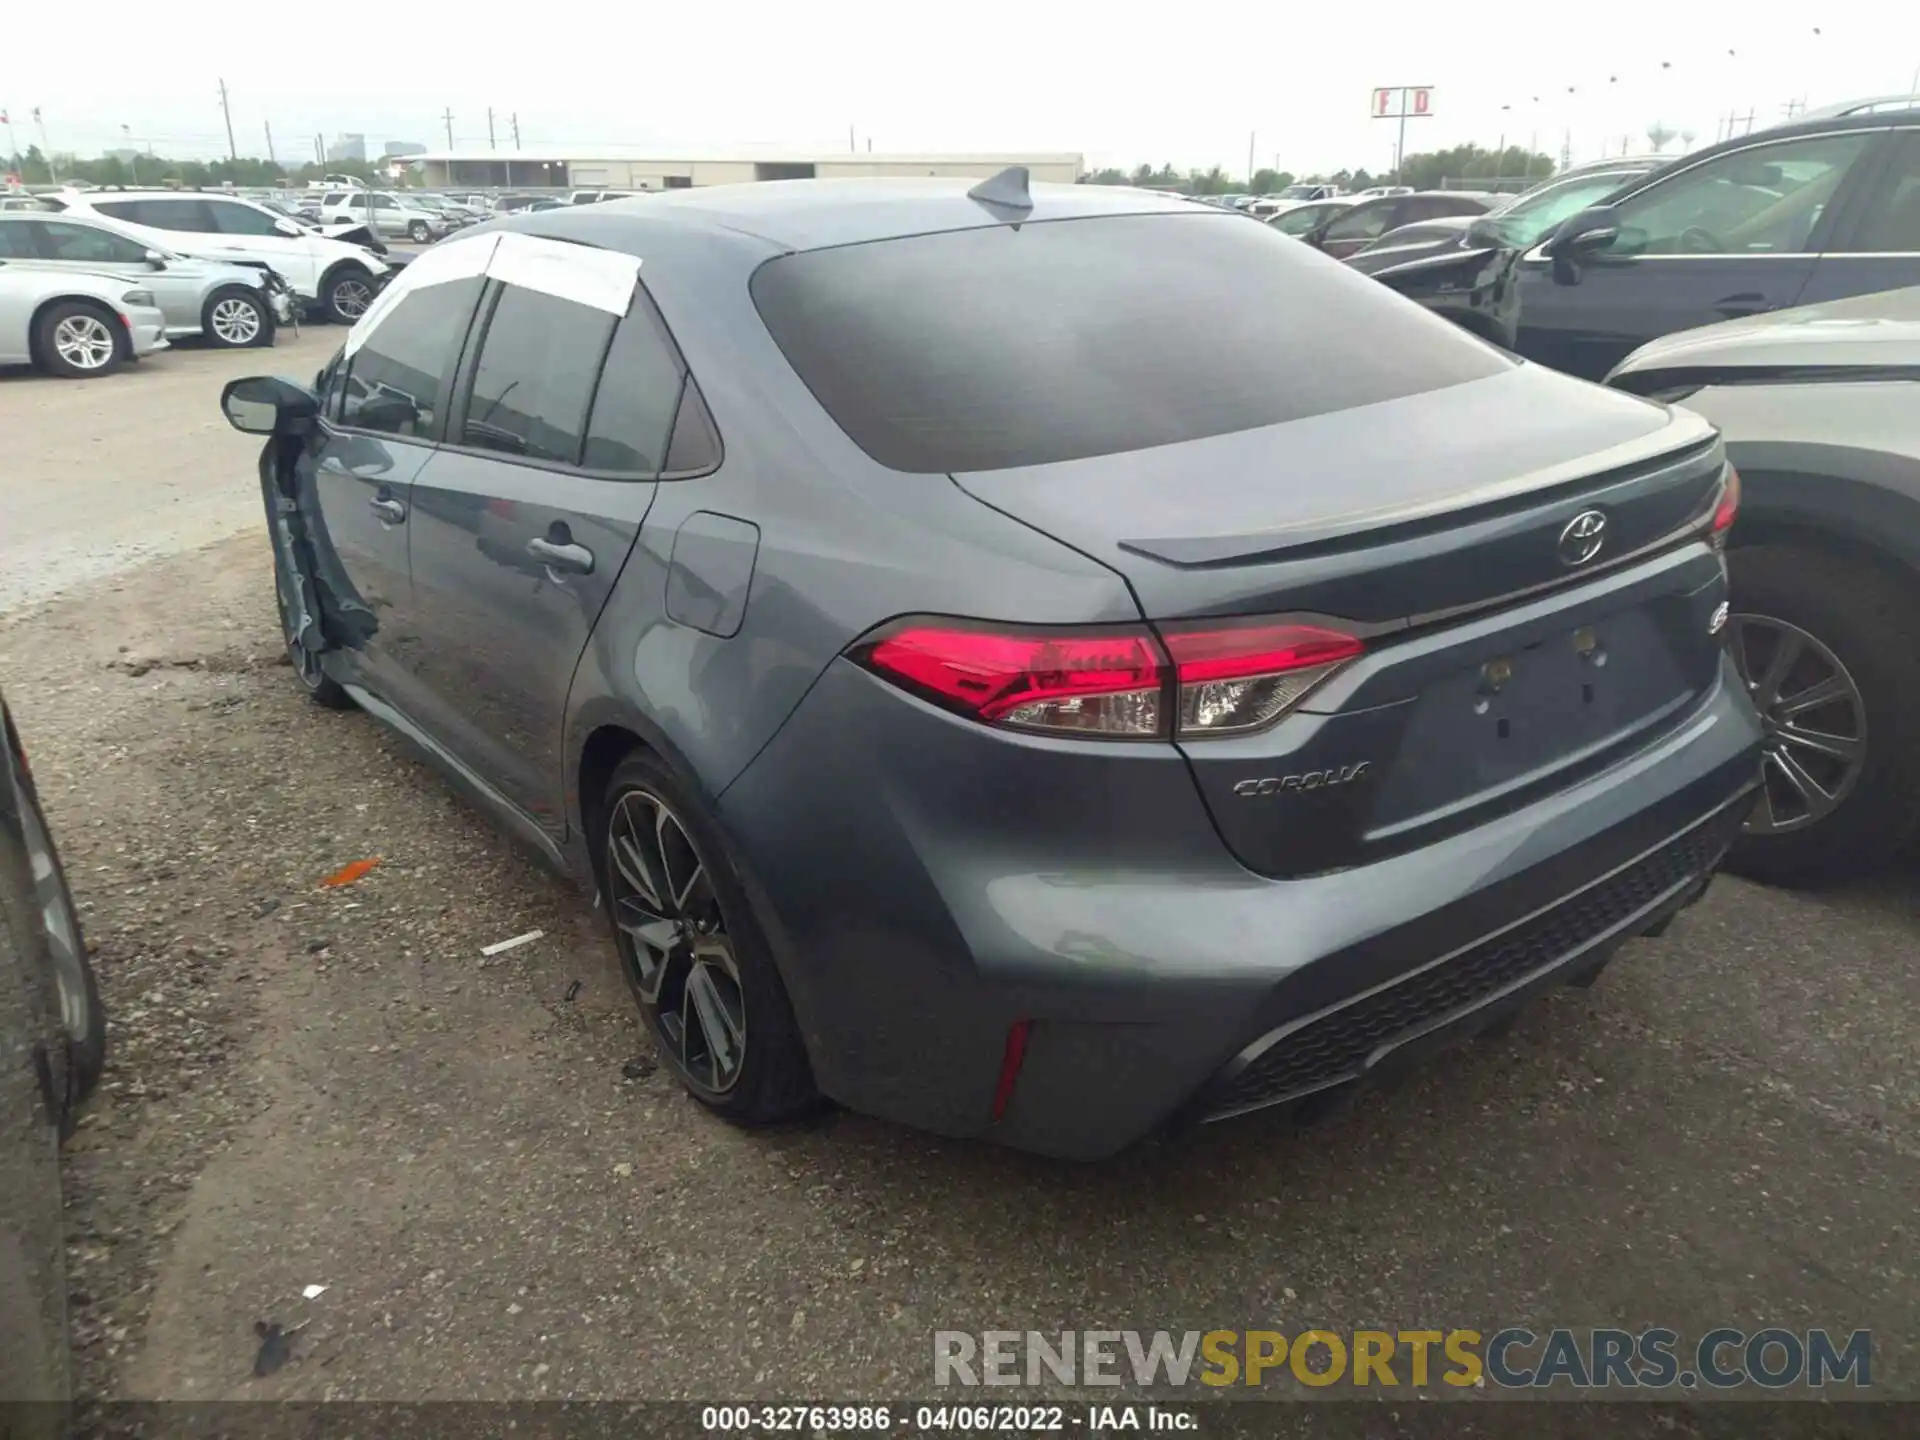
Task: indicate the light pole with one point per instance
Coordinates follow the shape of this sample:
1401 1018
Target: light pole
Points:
126 133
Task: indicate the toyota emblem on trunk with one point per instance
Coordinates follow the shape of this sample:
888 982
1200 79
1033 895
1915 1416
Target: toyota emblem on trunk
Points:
1583 537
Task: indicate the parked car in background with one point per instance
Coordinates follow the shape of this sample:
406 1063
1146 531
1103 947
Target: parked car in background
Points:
595 197
507 204
1310 190
1307 216
22 202
75 325
1519 222
452 211
1048 741
1820 410
1794 215
1374 190
52 1048
386 213
226 304
1364 221
336 278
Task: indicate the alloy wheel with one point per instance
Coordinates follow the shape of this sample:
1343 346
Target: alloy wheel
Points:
62 930
1815 720
673 940
84 342
352 297
236 321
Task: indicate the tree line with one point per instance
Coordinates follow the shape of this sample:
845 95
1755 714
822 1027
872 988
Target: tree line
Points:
1424 171
33 169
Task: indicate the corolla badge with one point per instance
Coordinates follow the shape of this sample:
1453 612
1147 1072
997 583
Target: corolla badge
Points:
1583 536
1308 780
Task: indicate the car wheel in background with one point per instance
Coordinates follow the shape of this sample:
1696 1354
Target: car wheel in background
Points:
349 293
83 1020
320 688
692 952
418 233
78 341
1829 646
233 320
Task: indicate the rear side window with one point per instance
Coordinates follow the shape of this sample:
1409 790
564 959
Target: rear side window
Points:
16 240
639 389
535 376
395 383
186 215
998 347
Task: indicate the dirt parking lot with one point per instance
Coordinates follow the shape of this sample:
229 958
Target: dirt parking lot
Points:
506 1200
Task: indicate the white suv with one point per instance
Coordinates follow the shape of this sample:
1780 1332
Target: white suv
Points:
332 276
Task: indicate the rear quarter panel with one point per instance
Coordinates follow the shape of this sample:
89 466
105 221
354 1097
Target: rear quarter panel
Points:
844 543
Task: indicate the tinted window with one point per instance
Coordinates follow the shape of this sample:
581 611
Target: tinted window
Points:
995 347
695 448
1365 221
1891 223
1302 219
188 215
233 218
1763 199
639 390
535 377
396 381
16 241
68 240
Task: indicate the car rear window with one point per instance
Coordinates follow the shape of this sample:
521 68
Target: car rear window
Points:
1006 346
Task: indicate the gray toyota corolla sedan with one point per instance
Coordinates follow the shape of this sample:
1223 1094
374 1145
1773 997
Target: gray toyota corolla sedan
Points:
1041 664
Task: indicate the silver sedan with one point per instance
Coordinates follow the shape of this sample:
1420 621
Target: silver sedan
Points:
230 305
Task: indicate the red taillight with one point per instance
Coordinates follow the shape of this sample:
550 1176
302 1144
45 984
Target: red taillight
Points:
1239 677
1222 677
1105 682
1728 508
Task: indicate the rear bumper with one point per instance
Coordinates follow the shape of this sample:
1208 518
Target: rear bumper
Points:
920 907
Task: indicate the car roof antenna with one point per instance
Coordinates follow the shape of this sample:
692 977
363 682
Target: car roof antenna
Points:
1004 191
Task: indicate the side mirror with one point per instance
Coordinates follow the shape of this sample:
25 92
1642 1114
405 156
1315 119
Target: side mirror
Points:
268 405
155 260
1586 233
287 228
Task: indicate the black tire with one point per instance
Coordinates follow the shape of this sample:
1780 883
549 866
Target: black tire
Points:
82 1016
773 1081
75 318
321 689
418 233
1868 616
224 324
349 291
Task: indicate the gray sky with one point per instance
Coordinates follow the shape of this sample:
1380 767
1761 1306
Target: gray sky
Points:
1184 82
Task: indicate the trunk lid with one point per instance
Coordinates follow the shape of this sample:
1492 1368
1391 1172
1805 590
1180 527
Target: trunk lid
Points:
1432 526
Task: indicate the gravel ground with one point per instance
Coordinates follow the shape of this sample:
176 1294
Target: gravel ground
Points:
507 1201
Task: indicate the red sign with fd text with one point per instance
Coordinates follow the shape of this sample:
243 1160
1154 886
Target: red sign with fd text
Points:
1398 102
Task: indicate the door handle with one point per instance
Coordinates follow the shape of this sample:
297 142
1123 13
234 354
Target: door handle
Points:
391 511
1735 306
570 557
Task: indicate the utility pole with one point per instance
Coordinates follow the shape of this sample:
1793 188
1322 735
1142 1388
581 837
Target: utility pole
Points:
448 117
852 149
233 151
272 159
516 129
490 144
1251 137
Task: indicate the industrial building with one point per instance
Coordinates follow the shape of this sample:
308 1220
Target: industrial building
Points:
506 169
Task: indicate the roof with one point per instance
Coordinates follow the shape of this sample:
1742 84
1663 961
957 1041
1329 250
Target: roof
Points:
1863 330
810 214
587 154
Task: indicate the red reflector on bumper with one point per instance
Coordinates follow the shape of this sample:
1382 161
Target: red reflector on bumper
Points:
1010 1066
